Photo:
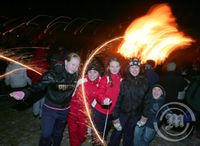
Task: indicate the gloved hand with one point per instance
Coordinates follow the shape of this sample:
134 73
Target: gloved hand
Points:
18 95
141 123
89 131
117 125
107 101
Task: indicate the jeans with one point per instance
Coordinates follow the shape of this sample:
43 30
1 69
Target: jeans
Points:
143 136
52 126
128 123
99 121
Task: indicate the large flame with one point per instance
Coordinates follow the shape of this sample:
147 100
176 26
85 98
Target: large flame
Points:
153 36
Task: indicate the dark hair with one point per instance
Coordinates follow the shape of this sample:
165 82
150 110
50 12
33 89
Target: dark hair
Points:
108 71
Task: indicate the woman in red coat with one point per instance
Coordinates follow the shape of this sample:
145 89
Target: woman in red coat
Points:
77 119
106 98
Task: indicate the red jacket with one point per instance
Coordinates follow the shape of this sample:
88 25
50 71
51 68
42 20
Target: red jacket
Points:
77 119
90 91
105 91
41 66
39 63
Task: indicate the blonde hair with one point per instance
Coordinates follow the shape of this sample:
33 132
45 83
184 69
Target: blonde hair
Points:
72 55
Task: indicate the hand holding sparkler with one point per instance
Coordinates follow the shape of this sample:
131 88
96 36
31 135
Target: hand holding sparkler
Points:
18 95
107 101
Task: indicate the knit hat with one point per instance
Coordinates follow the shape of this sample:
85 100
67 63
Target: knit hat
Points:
96 65
150 62
159 84
171 66
134 61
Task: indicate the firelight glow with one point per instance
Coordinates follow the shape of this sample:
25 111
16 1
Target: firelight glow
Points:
153 36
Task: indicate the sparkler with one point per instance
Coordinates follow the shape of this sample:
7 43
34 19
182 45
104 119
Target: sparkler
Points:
25 66
87 108
8 52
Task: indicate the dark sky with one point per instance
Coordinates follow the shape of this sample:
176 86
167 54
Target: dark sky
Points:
187 12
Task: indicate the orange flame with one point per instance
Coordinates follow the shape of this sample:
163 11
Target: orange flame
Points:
153 36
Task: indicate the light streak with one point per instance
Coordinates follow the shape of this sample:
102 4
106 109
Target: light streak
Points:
51 23
85 24
27 23
87 108
59 22
27 67
79 18
12 71
10 30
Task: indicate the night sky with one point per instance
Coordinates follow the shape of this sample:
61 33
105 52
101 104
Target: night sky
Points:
186 11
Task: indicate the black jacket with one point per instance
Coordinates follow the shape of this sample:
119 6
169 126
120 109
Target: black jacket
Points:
154 109
132 96
51 81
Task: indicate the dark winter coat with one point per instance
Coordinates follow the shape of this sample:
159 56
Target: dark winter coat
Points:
55 97
173 83
132 96
154 109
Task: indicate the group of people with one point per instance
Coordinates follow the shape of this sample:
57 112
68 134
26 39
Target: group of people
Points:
128 103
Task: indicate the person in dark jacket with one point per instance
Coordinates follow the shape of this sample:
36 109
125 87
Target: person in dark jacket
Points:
59 83
150 73
129 104
173 83
144 133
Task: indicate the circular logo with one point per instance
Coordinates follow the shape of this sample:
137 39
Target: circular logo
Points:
174 121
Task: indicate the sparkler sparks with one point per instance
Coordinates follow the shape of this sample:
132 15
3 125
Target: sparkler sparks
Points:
4 55
87 108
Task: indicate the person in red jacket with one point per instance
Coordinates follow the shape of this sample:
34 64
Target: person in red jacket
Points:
77 120
106 98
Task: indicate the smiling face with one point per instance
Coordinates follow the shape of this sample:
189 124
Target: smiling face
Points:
134 70
72 65
93 74
114 67
157 92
